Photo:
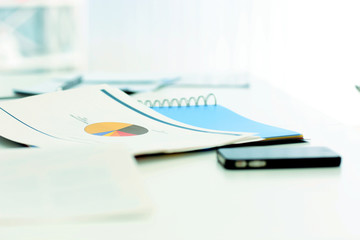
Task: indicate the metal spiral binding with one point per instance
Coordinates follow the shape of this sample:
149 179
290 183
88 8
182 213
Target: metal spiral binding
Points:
175 102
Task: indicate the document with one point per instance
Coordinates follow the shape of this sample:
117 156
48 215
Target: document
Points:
102 115
70 183
130 83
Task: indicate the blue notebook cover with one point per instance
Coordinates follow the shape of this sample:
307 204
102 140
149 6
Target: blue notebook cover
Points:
220 118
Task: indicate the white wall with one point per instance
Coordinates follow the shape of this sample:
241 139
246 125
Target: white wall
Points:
319 61
323 40
169 35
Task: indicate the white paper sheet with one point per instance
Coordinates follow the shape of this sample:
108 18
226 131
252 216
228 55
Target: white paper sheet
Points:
77 182
83 115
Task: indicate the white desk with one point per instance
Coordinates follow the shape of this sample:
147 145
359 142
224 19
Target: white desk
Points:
195 198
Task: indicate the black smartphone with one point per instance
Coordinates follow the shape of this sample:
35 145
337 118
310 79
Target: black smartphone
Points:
277 157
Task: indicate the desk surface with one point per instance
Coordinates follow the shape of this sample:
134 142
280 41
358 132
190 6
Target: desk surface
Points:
195 198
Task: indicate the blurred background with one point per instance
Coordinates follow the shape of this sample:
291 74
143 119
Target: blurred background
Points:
41 35
309 48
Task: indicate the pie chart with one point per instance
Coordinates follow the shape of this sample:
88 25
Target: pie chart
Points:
115 129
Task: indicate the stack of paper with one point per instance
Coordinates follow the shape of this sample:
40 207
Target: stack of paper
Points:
94 177
100 114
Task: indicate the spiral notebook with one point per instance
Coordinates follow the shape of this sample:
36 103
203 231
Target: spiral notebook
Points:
204 112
